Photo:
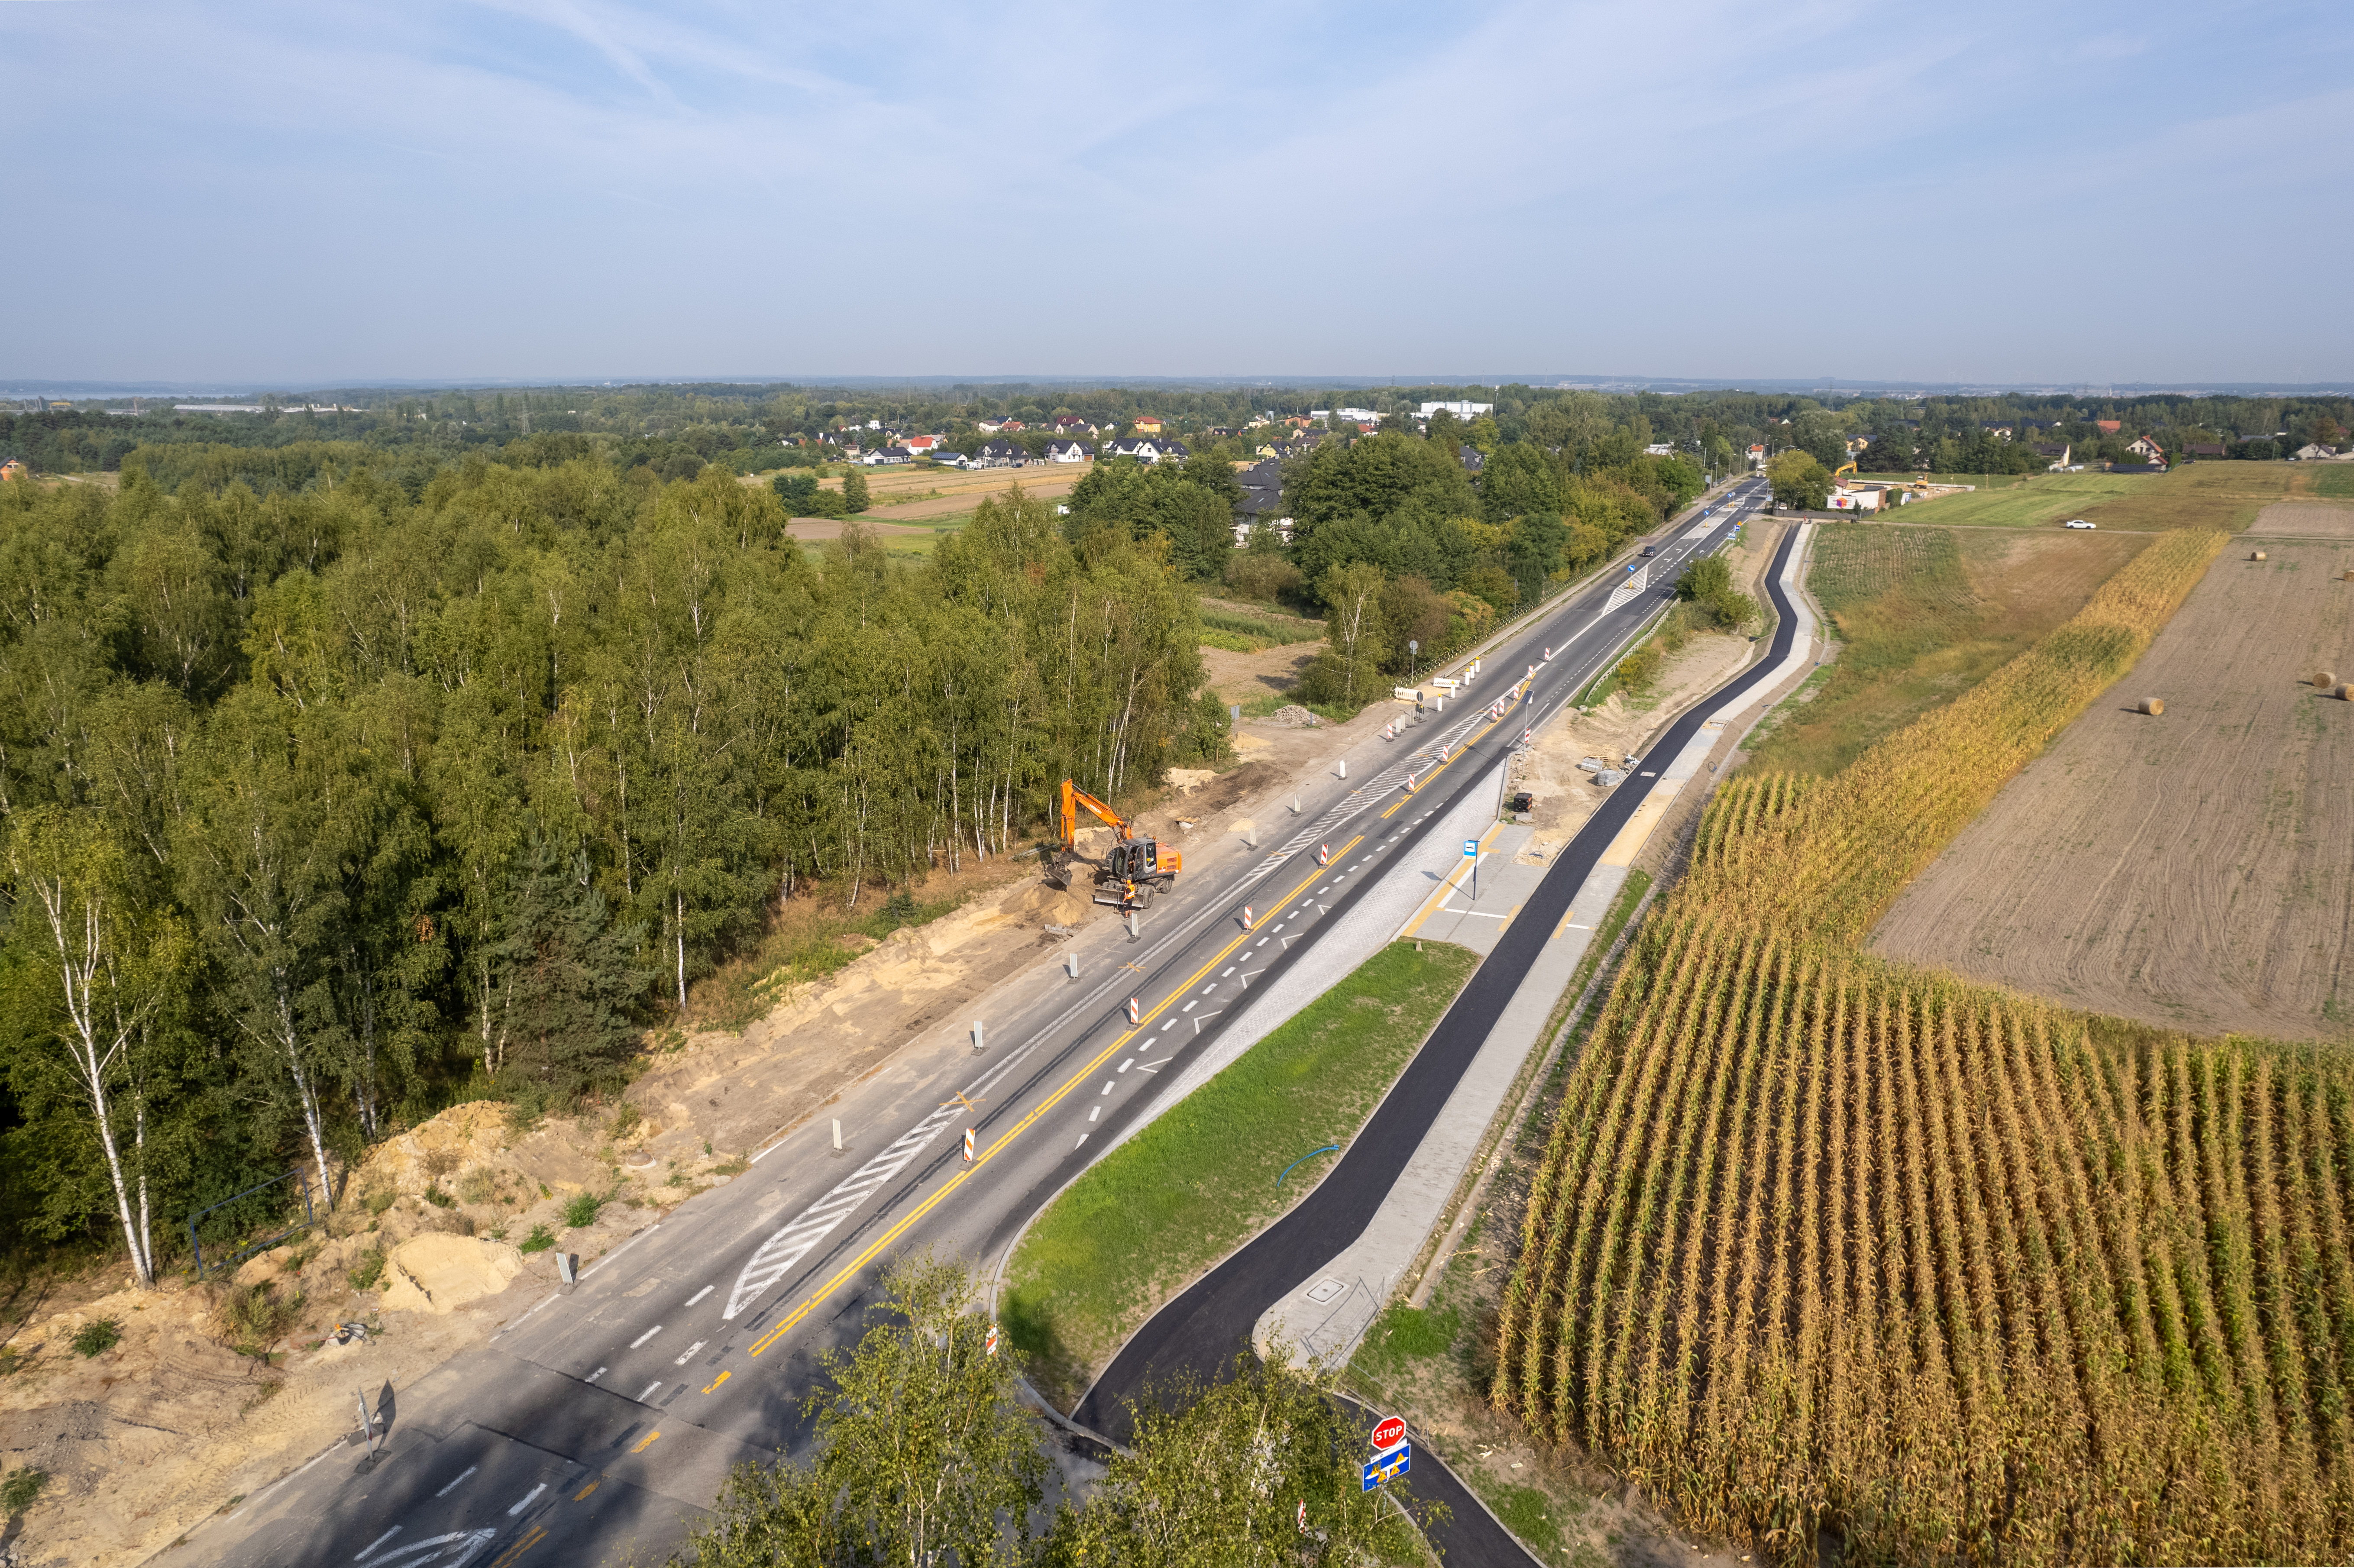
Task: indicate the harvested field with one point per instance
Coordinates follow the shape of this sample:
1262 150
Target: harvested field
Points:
2303 520
2209 494
2194 871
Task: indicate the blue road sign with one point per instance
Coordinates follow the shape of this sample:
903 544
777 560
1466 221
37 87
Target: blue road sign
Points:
1470 849
1392 1462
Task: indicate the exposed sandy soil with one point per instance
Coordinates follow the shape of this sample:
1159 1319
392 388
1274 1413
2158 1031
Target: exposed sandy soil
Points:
944 491
2303 520
1565 794
178 1419
2194 871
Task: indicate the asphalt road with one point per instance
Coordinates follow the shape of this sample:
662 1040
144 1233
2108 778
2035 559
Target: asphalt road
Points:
1203 1329
598 1425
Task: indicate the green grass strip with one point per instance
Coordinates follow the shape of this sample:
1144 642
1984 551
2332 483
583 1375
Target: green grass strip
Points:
1200 1181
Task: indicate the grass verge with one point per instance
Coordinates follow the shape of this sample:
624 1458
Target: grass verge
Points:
1922 616
1201 1180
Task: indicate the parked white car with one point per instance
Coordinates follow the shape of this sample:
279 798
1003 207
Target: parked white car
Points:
2080 523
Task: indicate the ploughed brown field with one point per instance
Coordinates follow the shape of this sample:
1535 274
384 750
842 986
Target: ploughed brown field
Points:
2194 871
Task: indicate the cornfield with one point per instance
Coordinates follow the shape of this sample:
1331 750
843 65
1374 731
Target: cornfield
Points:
1820 1241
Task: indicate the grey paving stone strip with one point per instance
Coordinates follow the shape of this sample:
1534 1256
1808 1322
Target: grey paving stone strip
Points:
1328 1315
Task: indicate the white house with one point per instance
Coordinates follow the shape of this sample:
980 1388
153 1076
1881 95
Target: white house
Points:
2146 449
1144 448
884 456
1660 449
1069 452
1001 454
2313 452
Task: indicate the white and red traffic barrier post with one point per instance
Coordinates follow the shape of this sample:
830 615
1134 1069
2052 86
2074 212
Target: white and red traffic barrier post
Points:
1247 917
1323 855
1133 1015
968 1146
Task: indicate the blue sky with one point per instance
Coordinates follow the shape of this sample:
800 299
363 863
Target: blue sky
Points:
320 194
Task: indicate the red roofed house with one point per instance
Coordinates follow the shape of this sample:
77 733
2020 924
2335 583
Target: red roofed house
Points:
2107 427
12 469
1147 424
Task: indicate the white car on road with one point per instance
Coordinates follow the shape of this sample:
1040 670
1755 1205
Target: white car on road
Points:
2080 523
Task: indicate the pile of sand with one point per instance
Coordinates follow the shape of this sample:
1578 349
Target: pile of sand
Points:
437 1273
1185 780
457 1140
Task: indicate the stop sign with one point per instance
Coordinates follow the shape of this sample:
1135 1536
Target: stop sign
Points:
1390 1433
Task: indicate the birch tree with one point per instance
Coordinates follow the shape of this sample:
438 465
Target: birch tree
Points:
111 964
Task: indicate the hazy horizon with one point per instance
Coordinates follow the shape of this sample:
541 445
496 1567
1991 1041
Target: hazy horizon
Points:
457 195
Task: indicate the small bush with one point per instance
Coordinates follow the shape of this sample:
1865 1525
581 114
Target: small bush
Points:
625 1120
380 1200
540 1240
440 1162
16 1493
478 1187
98 1335
581 1210
253 1318
370 1269
439 1199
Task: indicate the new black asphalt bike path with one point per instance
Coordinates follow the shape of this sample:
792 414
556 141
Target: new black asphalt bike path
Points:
1201 1331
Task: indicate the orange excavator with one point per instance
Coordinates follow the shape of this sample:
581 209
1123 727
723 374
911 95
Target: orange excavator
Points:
1130 872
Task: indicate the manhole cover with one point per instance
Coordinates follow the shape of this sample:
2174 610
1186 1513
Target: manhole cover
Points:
1324 1290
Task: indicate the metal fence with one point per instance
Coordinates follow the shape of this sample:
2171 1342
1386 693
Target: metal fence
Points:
246 1211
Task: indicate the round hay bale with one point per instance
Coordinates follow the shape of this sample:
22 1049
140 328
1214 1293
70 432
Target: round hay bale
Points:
2255 554
2153 706
2325 679
2350 574
2345 692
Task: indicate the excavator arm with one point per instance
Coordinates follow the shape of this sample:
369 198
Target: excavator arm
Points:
1066 820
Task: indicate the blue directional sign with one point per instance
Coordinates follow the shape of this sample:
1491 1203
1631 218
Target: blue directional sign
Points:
1392 1462
1470 849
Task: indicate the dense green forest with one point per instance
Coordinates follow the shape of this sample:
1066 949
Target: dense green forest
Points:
327 805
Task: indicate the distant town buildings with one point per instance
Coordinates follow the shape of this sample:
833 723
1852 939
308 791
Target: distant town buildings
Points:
1461 410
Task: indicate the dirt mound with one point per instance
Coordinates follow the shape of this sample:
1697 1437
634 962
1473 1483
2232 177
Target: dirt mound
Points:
438 1273
459 1138
1228 787
1185 780
1293 714
1045 906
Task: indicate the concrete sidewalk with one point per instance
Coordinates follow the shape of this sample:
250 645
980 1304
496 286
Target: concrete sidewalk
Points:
1326 1318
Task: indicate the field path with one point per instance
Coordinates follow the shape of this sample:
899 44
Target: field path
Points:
2194 871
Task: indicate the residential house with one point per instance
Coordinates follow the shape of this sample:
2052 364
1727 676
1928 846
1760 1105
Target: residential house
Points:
1069 452
884 457
13 469
2147 450
2000 432
922 446
994 426
2198 449
1660 449
1145 450
1472 458
2108 427
1003 454
1147 424
1262 502
1757 456
1220 432
1068 423
2313 452
2057 456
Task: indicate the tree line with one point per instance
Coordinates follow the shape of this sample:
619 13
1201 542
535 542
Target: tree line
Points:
323 807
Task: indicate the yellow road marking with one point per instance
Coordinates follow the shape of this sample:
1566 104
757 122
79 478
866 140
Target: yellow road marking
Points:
792 1319
715 1383
538 1533
591 1487
645 1441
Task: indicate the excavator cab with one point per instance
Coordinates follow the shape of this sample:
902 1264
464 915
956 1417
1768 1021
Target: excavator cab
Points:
1139 859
